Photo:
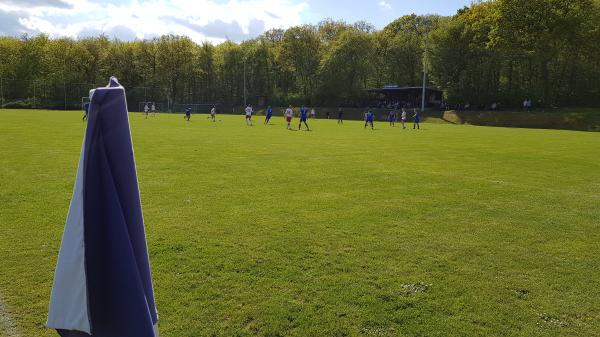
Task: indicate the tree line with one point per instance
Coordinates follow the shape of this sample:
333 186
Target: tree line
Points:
500 51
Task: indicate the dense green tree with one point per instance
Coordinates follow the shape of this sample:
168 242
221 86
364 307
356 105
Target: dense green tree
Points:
492 51
300 54
175 65
346 67
402 46
230 64
207 72
508 50
461 60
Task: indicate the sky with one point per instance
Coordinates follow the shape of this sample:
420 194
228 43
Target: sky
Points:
202 20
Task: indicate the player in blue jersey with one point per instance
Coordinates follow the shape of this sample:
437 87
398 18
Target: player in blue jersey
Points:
86 110
340 115
268 115
392 118
369 117
188 113
303 118
417 120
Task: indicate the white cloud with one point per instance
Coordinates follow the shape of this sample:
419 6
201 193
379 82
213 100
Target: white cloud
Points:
385 4
201 20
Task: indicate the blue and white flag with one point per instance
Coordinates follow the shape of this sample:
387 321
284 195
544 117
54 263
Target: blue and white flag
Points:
103 284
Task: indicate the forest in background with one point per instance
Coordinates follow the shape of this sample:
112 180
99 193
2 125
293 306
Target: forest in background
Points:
493 51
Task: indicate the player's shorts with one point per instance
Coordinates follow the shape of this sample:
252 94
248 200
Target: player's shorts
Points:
417 120
303 119
248 116
288 119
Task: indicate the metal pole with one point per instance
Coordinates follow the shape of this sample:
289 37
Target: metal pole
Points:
2 93
34 105
65 91
245 83
424 90
64 81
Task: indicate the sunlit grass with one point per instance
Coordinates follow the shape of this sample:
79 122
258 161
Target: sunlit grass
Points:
341 231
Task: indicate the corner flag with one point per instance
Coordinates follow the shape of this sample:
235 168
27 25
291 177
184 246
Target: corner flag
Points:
103 284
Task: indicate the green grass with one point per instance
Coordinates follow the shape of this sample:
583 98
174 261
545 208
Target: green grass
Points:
581 119
453 230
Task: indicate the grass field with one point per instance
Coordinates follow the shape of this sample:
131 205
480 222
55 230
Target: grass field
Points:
448 231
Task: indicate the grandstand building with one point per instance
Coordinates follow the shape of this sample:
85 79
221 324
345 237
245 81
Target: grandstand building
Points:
395 96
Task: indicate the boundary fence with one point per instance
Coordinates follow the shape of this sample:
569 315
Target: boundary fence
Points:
64 95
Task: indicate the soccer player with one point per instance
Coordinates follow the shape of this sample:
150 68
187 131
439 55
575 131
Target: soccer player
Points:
289 114
303 117
153 109
369 117
213 113
392 118
268 115
86 110
188 113
403 118
249 112
340 115
417 119
313 113
146 108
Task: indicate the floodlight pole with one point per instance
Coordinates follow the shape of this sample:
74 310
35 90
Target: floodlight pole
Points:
424 73
245 83
424 89
424 93
65 82
2 92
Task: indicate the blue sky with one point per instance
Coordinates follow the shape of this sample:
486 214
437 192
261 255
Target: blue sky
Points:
202 20
379 13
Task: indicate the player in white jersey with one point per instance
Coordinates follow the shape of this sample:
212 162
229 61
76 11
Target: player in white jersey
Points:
249 112
153 109
289 115
403 118
213 113
146 108
313 113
